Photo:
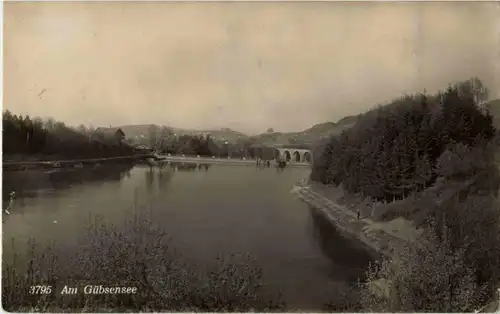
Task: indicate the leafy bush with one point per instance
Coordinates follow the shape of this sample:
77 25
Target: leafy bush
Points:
454 267
135 254
427 276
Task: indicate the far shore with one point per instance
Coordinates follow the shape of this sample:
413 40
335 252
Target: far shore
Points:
34 161
216 160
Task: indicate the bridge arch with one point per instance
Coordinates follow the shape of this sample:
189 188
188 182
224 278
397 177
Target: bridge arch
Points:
287 155
307 157
293 154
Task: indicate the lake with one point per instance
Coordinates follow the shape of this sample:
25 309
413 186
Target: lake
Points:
218 209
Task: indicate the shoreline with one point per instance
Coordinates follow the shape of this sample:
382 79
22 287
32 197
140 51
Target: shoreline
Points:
372 234
160 159
207 160
377 237
67 163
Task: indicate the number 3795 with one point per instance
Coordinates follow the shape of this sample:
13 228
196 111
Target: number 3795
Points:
40 289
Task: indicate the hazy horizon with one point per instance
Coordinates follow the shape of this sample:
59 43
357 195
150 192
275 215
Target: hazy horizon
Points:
240 65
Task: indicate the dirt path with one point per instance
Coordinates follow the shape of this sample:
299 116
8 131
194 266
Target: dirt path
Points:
377 236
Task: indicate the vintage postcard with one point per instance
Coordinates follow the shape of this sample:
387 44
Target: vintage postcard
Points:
251 156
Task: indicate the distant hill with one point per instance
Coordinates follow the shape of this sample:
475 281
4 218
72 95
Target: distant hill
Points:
309 136
139 130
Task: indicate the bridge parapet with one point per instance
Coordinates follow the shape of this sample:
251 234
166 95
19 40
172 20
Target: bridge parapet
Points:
294 154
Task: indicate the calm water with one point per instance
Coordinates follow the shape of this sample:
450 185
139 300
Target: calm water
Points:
222 209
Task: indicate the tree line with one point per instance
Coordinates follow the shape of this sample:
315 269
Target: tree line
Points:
25 136
404 148
165 141
395 149
36 138
192 145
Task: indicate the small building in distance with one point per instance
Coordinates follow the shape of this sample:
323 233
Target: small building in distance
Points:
110 134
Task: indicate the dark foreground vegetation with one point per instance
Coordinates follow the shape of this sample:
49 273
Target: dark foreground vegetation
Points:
136 254
413 146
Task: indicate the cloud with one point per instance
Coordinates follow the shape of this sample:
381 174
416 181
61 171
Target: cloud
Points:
248 66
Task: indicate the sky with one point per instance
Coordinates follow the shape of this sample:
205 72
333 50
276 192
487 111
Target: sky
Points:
248 66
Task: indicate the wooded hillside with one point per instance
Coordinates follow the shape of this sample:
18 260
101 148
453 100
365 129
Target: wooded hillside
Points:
405 145
440 148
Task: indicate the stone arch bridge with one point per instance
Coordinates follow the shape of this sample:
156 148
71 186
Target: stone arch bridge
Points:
294 154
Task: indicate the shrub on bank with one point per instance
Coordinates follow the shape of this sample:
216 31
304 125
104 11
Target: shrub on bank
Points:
442 271
427 276
135 254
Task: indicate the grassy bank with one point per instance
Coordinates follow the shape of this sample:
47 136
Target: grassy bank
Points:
378 238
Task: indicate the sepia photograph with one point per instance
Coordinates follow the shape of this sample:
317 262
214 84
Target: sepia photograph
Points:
250 156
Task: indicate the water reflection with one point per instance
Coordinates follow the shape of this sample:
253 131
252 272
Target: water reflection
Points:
186 167
346 252
158 180
164 179
30 183
181 166
150 180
